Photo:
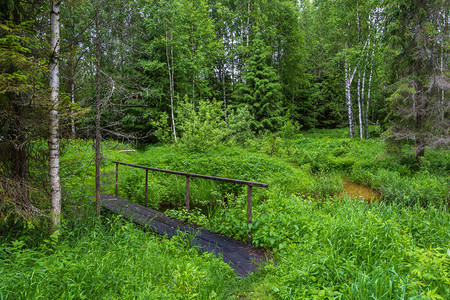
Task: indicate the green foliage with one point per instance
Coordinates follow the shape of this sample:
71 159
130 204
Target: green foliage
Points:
202 128
399 178
260 90
415 110
194 216
19 72
324 245
162 128
290 130
351 250
111 260
238 123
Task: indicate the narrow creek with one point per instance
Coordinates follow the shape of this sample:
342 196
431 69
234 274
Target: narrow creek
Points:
355 190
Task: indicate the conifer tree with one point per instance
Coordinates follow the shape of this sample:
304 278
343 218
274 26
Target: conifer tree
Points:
416 33
260 89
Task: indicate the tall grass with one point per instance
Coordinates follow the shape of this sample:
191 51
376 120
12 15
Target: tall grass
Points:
355 250
113 260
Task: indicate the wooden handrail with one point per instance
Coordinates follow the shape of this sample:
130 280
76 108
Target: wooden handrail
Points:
249 185
238 181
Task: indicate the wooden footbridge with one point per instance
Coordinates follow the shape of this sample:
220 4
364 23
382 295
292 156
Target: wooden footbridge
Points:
241 256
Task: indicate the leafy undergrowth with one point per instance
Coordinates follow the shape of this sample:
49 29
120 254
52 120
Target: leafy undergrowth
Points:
324 246
398 177
351 250
325 250
231 162
113 260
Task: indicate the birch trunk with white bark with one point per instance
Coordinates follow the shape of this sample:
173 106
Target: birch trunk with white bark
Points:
55 182
170 68
361 106
348 95
366 119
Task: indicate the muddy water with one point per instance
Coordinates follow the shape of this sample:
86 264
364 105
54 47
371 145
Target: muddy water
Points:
354 190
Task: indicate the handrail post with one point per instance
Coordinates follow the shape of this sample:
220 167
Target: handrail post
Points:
146 188
249 212
187 193
117 179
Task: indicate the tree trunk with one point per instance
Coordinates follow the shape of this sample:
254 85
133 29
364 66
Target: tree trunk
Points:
442 104
193 59
55 182
224 90
359 106
73 134
420 108
366 119
170 68
348 95
292 104
249 25
19 154
97 111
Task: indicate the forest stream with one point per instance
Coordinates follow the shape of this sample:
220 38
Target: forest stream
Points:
355 190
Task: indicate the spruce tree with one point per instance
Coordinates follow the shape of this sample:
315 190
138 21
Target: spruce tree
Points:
260 89
416 34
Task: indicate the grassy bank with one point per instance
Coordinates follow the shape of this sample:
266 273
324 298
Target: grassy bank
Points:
324 245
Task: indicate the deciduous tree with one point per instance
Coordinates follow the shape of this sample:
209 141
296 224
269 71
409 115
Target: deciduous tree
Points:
53 144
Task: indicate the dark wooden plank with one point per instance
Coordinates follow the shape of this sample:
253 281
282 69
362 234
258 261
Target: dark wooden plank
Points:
242 257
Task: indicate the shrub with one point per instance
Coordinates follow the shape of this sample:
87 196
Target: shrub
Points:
202 128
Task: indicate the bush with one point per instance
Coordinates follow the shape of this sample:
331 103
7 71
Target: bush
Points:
203 128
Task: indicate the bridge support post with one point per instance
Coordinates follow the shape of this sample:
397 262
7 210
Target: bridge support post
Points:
249 213
146 188
187 193
117 179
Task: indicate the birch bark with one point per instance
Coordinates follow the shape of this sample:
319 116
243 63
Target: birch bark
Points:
170 68
55 182
349 75
361 106
366 118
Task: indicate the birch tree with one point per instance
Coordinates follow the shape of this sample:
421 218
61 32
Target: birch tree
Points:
349 75
171 73
55 183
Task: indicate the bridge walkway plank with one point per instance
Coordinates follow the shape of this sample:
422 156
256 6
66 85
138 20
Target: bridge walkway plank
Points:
242 257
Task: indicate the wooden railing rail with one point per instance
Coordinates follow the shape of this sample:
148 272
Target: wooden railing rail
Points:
249 185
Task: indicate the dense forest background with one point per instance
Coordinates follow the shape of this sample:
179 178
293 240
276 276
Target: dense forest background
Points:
201 72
